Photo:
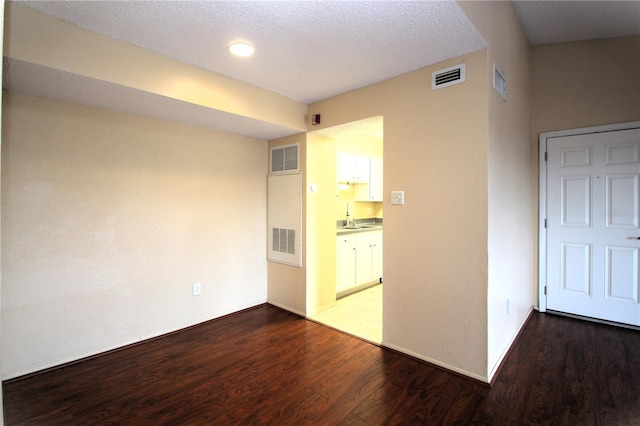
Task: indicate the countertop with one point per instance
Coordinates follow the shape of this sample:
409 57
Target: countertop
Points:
368 227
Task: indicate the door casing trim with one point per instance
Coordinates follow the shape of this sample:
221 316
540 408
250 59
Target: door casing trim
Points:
542 192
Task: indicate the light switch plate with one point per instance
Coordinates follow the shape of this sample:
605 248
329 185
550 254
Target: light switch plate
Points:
397 198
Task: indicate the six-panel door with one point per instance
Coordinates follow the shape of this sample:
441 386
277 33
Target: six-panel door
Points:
593 250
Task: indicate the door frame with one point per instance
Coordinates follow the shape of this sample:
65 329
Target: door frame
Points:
542 192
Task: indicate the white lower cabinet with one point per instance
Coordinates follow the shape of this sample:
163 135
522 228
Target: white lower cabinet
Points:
363 258
358 260
345 262
376 256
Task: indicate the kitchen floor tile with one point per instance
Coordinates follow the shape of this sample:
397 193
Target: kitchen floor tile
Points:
359 314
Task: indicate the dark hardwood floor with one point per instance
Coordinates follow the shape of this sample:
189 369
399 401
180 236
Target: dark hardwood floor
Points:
265 366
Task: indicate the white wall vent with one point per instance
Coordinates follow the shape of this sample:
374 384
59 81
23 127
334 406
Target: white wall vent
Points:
284 240
285 159
447 77
499 82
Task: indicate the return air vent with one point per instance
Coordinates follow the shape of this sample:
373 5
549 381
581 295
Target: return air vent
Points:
447 77
499 82
284 240
284 159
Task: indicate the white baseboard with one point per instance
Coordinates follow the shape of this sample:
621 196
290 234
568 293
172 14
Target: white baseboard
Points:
287 308
508 346
436 362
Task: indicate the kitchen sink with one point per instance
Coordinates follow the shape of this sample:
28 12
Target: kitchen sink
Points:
362 226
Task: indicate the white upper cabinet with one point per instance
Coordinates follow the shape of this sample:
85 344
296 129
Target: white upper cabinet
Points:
352 168
375 180
372 191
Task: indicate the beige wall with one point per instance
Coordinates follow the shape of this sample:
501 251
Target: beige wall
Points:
583 84
321 226
2 4
107 221
511 236
287 284
435 263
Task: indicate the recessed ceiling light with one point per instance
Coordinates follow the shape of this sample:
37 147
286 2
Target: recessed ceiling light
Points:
241 48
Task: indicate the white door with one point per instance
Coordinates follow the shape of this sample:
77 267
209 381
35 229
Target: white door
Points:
593 245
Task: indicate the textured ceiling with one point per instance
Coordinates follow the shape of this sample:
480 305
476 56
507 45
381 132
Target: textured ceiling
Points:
305 50
561 21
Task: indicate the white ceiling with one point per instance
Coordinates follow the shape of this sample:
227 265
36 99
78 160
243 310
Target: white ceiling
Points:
305 50
560 21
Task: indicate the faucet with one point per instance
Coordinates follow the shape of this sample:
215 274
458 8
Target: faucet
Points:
346 222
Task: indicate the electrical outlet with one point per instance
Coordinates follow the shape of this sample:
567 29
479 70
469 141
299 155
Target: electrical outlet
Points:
197 289
507 306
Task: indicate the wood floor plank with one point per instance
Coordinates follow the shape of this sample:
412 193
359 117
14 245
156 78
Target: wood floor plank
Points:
617 397
266 366
632 351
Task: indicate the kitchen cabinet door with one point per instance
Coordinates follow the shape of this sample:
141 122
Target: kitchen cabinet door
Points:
345 262
363 258
376 256
358 260
368 257
352 168
345 167
375 180
361 169
371 191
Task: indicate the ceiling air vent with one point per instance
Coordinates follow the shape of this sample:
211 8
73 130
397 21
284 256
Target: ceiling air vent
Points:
447 77
284 159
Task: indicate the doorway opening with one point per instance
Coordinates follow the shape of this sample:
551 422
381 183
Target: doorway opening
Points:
354 232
